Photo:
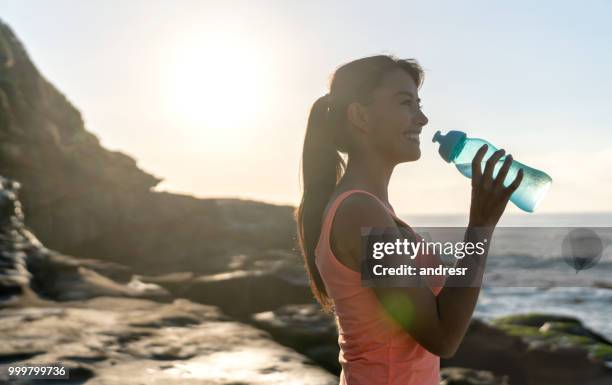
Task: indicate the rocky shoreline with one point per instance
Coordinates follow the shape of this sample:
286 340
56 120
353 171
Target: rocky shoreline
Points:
254 324
109 340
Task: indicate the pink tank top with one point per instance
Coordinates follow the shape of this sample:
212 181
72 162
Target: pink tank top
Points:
373 348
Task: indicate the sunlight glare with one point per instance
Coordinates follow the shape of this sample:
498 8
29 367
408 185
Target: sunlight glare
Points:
215 88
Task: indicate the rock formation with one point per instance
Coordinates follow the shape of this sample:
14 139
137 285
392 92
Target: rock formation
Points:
84 200
56 308
27 268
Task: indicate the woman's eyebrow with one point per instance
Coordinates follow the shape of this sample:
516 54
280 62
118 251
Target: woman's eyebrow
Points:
407 93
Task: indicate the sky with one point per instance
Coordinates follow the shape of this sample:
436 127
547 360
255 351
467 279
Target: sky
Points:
214 97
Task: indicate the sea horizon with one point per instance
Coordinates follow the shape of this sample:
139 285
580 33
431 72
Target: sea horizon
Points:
555 219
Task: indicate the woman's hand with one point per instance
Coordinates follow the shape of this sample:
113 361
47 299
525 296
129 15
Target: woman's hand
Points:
490 196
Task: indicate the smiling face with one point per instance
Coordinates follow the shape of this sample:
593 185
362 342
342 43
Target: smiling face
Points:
395 119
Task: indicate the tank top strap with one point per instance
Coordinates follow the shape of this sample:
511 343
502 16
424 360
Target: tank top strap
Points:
331 212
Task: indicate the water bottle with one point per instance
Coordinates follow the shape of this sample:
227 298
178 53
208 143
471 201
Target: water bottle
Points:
457 148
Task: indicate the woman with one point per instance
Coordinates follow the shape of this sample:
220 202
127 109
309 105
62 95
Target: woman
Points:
387 335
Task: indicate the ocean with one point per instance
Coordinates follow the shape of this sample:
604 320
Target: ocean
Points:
533 278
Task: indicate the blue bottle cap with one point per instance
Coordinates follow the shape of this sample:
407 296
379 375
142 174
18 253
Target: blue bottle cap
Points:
448 143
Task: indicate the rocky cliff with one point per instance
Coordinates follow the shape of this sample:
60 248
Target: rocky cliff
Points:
29 271
82 199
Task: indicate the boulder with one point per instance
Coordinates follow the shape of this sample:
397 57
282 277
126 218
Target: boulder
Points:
307 329
238 293
540 349
463 376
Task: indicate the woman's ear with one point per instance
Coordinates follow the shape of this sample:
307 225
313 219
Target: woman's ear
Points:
358 116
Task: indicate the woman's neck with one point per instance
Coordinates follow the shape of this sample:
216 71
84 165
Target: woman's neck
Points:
371 174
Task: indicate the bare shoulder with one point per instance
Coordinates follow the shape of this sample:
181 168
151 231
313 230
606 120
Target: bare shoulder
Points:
354 212
361 210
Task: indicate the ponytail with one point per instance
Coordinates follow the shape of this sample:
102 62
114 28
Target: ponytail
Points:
322 167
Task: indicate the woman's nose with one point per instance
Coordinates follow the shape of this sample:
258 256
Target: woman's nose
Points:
422 119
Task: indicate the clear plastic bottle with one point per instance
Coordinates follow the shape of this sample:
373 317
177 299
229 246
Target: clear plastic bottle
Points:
457 148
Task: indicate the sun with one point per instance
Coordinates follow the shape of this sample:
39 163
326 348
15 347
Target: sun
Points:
216 87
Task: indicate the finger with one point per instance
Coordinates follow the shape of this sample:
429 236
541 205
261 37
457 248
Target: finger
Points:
503 171
488 171
515 183
476 162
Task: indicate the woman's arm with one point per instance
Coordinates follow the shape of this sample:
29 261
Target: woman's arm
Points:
437 323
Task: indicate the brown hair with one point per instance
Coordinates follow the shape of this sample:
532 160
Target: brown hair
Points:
326 136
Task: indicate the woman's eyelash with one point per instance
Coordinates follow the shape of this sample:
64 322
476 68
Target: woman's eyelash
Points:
410 102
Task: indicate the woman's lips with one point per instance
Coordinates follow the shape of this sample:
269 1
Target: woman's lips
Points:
412 136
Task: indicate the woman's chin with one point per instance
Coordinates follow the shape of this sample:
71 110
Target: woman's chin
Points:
412 155
411 150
